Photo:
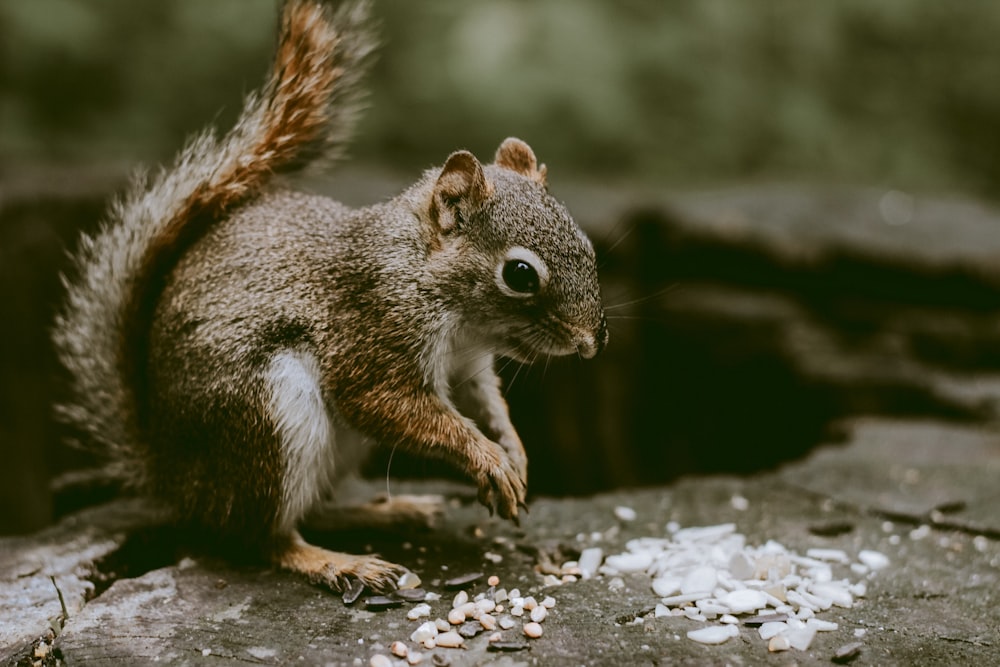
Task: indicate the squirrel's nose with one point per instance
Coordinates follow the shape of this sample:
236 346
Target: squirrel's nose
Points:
589 346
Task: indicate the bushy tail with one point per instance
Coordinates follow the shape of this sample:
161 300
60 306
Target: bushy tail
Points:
304 113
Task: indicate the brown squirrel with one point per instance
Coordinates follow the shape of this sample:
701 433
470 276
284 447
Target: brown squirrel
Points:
222 332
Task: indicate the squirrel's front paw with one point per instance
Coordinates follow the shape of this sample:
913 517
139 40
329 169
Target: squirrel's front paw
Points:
501 483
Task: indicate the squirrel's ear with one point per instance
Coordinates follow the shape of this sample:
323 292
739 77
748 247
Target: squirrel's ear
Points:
461 186
517 156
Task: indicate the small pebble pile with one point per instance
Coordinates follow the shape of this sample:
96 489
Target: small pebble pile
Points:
493 611
709 574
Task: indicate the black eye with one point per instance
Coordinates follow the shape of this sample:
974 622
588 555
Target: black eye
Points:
520 276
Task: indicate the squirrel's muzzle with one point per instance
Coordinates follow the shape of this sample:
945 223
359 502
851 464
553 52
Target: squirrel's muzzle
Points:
590 345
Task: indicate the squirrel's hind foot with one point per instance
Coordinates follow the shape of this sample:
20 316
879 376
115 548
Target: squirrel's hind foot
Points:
334 569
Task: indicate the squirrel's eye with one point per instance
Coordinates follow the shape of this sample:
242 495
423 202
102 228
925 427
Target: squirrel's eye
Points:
521 276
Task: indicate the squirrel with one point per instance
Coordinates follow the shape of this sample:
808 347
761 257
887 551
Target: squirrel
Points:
222 332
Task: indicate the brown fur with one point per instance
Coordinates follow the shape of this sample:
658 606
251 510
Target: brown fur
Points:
226 337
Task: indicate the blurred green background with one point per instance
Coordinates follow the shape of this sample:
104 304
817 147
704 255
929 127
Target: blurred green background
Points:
643 96
894 93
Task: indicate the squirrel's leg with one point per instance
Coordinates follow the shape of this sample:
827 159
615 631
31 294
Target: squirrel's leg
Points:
418 420
302 420
332 568
476 393
382 512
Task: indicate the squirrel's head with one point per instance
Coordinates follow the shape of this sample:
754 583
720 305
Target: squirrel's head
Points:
525 274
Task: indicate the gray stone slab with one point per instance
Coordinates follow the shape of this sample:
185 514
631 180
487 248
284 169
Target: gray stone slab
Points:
927 471
937 602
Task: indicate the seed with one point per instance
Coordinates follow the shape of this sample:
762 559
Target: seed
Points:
380 602
488 622
463 580
714 634
470 629
353 591
408 581
450 639
778 643
427 630
533 630
847 652
456 617
507 646
493 580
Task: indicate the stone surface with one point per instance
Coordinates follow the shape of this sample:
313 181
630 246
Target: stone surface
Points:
937 601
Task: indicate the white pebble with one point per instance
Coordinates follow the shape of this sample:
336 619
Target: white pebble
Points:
778 643
590 561
691 612
495 637
714 634
456 617
414 658
485 605
800 638
429 643
625 513
538 614
699 580
506 622
450 639
920 533
488 622
876 560
729 619
442 625
661 610
741 566
711 607
664 586
379 660
739 503
859 569
821 625
425 631
771 629
399 649
549 602
407 581
460 598
628 562
742 602
517 610
421 610
530 603
432 597
514 593
837 594
703 533
533 630
681 599
834 555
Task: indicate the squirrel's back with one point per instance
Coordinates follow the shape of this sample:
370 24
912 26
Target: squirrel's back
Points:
304 113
